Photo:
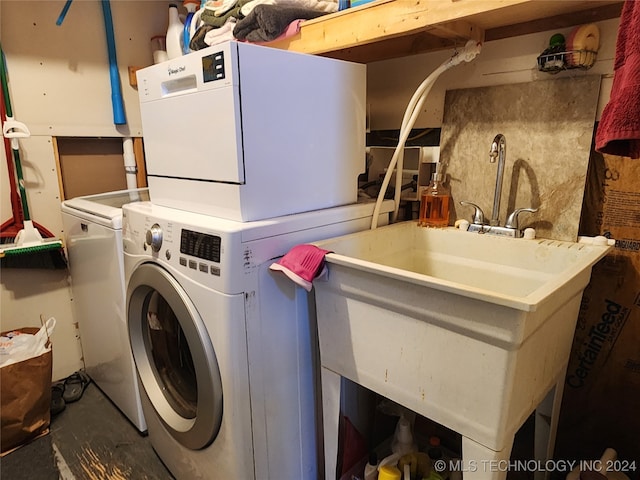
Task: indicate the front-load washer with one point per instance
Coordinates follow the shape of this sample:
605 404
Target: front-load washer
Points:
93 237
225 349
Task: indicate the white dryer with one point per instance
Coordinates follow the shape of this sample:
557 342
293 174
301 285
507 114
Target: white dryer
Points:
225 349
93 237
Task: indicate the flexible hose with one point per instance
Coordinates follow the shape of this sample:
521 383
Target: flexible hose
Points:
468 53
411 114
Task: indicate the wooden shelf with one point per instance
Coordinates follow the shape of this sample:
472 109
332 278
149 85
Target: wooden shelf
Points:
394 28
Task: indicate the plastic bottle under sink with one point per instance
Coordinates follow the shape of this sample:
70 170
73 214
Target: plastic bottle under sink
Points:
403 439
389 472
371 468
389 460
435 454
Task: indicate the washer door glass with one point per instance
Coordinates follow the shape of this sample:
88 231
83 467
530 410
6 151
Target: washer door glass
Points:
174 357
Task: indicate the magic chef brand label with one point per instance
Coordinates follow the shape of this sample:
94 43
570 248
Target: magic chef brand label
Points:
598 342
176 70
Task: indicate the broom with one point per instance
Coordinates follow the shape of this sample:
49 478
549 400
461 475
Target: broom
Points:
30 249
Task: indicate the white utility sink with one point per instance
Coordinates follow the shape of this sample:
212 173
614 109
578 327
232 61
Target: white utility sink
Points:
472 331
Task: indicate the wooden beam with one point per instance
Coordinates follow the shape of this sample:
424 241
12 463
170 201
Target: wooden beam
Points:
407 45
138 151
56 154
458 30
392 28
605 12
388 19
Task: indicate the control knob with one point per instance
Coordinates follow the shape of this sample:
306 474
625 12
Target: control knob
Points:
154 237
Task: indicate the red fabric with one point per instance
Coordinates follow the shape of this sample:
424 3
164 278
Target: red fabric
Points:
619 128
355 446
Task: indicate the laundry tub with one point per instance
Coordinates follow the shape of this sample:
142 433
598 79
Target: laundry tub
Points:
472 331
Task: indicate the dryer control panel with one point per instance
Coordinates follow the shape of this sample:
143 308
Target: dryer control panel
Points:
191 246
200 245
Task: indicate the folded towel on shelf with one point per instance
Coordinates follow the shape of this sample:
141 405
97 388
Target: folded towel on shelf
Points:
197 40
267 22
292 29
222 34
302 264
220 7
619 128
212 16
326 6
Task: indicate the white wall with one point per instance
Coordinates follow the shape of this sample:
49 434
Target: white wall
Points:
59 74
512 60
60 87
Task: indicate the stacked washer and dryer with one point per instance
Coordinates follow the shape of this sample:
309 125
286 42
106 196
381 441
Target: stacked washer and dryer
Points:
250 151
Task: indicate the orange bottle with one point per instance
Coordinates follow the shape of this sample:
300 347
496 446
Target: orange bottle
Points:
434 202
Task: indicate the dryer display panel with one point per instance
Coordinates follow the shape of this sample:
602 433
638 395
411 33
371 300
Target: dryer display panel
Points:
200 245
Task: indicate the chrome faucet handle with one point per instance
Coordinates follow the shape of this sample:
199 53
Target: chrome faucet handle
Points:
512 219
478 215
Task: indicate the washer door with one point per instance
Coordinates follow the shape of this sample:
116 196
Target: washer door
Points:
174 357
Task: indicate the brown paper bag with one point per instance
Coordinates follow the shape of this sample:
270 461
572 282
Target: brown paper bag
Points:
25 399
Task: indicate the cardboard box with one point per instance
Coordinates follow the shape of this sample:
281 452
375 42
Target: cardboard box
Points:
601 403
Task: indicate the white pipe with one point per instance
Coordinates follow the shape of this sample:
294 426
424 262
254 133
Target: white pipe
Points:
468 53
130 166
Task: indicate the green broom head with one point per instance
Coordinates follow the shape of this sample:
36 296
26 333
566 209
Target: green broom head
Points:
12 250
48 254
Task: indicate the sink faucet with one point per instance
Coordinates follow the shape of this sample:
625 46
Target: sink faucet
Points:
511 228
498 150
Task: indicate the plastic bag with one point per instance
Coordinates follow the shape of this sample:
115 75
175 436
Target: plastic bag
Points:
26 358
17 346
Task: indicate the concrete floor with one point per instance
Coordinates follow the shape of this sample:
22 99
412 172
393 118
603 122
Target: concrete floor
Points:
91 439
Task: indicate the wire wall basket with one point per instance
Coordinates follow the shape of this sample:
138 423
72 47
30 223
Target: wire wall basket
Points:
554 62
